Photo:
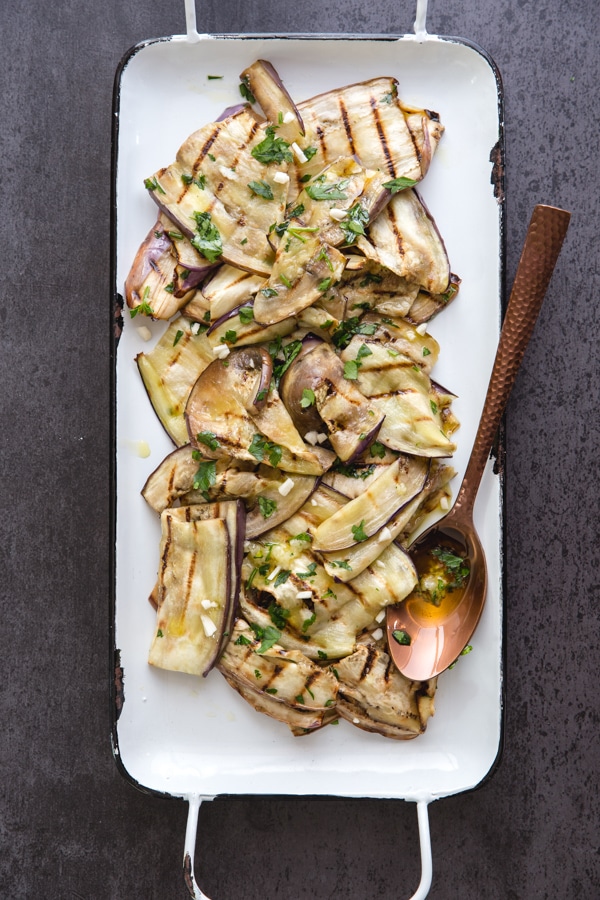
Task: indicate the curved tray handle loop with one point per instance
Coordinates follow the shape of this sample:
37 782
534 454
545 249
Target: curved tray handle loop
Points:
420 25
190 848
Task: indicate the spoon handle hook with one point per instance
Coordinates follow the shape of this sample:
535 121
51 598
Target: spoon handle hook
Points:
543 243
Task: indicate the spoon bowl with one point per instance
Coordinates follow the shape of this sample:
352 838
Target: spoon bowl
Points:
432 626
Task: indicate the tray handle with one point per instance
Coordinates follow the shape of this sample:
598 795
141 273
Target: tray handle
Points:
195 801
420 25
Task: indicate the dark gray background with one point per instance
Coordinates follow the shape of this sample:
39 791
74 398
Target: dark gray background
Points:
70 826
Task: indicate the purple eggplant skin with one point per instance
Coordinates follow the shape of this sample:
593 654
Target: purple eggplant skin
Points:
299 376
154 247
230 111
226 316
270 92
236 523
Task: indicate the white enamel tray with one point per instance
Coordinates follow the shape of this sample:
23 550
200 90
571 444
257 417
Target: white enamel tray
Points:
196 738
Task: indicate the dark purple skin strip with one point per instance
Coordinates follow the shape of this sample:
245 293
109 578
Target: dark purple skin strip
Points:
226 316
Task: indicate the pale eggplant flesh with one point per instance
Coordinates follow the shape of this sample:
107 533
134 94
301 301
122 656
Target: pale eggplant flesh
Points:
319 397
375 696
364 516
254 658
170 370
221 196
195 593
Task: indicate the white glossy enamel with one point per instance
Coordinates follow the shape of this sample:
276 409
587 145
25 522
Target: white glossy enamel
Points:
182 735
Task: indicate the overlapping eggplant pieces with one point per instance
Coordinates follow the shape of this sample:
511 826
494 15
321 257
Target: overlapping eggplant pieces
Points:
298 267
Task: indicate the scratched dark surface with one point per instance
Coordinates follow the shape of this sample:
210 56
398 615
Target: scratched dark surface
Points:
70 826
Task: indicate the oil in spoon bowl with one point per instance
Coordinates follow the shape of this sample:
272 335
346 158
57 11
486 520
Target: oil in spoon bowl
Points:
431 627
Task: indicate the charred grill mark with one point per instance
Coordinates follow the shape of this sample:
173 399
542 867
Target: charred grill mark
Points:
277 670
382 136
371 657
396 231
389 671
166 550
311 679
189 581
321 137
347 124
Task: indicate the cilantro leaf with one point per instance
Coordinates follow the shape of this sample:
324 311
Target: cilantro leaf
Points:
359 532
206 476
261 189
209 439
321 191
399 184
272 149
401 637
308 398
208 240
278 615
266 506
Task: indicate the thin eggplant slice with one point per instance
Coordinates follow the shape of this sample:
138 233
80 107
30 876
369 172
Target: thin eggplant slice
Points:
216 177
170 370
299 720
288 676
374 695
405 239
425 306
153 285
273 98
229 288
194 594
363 120
371 510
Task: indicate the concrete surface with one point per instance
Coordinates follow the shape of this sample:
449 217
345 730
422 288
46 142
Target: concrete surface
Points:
70 826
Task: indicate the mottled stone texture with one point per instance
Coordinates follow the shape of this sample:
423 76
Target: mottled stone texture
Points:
70 827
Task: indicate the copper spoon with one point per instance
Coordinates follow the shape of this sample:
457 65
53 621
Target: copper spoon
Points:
429 638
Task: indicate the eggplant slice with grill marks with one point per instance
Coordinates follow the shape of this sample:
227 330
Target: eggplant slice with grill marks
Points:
221 196
233 403
287 676
198 586
375 696
404 238
169 372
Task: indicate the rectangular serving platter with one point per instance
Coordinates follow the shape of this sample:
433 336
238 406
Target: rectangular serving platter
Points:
179 735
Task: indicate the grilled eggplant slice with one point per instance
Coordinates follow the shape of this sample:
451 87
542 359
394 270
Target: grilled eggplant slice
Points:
303 270
229 288
169 372
232 403
317 395
287 676
405 239
239 327
299 720
375 696
273 98
364 516
425 306
194 598
363 120
221 196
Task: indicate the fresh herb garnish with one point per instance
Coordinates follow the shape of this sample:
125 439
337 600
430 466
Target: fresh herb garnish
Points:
324 284
170 288
426 351
270 690
399 184
261 189
246 314
359 532
401 637
351 369
278 615
230 337
260 447
268 636
351 471
377 449
266 506
246 92
242 641
321 191
208 240
268 292
308 398
272 149
346 330
308 622
310 573
341 564
205 477
323 655
151 184
209 439
303 536
178 337
354 223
